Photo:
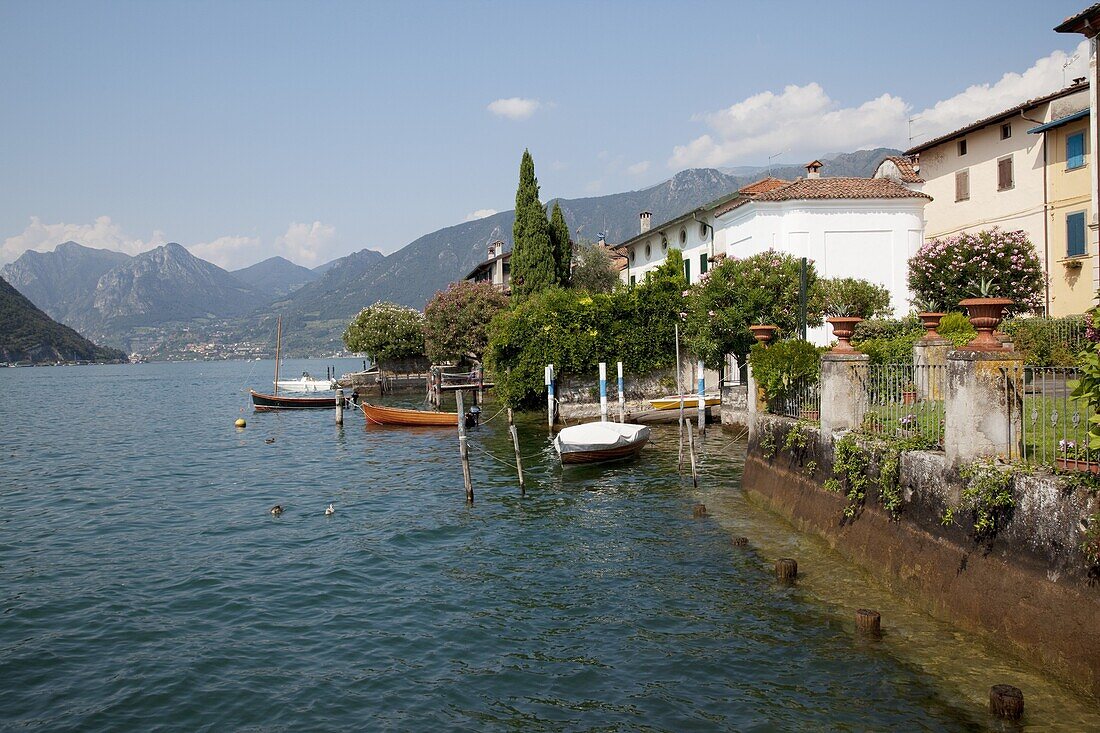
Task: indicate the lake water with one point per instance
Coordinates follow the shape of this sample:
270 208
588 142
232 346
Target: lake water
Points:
143 582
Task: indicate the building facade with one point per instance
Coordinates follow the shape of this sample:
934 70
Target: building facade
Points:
849 227
995 172
495 269
692 233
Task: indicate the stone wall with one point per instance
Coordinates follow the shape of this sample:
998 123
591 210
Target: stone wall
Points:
1028 587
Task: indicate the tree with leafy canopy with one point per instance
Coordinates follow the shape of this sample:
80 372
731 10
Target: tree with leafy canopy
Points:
533 266
457 320
386 332
593 269
761 289
561 244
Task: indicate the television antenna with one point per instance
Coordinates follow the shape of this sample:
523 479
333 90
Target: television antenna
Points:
773 157
1066 65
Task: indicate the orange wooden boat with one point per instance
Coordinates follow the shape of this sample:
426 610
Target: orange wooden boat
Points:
378 415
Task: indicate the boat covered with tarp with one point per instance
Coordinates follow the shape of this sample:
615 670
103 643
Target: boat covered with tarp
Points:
597 442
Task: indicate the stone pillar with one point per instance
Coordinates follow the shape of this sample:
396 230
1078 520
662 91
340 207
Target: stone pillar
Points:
757 404
983 406
929 364
843 395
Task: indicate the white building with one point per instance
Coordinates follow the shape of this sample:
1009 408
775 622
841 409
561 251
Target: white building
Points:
849 227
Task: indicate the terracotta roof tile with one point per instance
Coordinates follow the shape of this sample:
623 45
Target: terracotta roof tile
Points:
830 188
764 184
905 168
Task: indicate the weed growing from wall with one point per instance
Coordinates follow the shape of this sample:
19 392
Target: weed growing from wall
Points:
987 496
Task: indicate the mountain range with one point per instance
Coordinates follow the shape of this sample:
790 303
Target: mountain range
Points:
28 334
134 301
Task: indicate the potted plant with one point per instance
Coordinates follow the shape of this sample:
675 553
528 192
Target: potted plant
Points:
810 413
929 312
763 331
847 301
985 313
908 393
1073 459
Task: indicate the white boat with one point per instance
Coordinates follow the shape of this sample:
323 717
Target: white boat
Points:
596 442
305 383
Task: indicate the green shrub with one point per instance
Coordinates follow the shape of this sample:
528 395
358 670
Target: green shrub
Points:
780 367
1047 341
888 341
853 297
956 328
386 332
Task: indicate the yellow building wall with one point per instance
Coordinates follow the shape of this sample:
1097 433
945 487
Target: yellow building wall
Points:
1069 191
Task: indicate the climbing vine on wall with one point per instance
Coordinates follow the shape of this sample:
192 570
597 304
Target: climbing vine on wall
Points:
987 497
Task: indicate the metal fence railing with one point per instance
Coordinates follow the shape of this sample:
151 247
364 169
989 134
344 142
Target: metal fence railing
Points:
1053 429
802 401
905 400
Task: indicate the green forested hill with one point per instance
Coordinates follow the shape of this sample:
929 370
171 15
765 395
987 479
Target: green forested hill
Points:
28 334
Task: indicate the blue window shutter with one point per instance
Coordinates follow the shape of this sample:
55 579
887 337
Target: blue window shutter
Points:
1075 150
1075 234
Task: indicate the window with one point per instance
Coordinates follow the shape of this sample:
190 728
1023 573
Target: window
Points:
1075 151
703 263
1004 174
1006 131
683 236
702 231
687 269
632 279
1075 234
664 243
962 185
631 254
962 147
647 250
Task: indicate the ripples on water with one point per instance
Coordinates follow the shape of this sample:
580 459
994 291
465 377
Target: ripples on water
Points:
143 583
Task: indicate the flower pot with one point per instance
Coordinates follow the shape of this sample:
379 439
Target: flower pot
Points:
843 328
985 315
763 334
908 397
812 415
930 321
1073 464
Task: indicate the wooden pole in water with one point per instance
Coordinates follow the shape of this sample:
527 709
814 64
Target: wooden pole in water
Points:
691 451
1006 702
603 391
515 445
786 568
702 398
550 397
480 384
622 395
278 349
463 449
868 622
680 397
339 407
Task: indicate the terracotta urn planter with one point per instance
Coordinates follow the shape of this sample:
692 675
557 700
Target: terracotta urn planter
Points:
763 334
1074 464
909 397
808 414
930 321
985 315
843 328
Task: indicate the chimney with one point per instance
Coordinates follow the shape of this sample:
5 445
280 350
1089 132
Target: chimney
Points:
644 220
495 248
1078 81
813 169
602 242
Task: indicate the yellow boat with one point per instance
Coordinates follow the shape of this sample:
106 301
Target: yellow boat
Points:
690 400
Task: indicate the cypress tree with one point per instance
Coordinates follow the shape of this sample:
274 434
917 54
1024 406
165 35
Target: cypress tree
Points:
533 265
563 247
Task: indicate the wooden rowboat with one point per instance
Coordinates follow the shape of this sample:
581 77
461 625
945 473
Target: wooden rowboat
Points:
378 415
672 402
270 402
599 442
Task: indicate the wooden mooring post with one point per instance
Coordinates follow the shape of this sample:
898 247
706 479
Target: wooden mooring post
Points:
549 376
680 398
702 398
691 452
603 392
463 448
622 395
515 445
339 407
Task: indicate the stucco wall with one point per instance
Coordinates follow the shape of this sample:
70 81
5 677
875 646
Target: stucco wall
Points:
696 243
1069 191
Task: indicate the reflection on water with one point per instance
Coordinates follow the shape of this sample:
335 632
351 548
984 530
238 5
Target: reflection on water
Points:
143 582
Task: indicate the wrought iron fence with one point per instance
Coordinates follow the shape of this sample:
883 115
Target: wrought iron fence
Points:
904 400
1053 429
802 401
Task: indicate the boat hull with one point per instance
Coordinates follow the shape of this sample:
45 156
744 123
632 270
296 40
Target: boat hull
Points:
606 455
600 442
378 415
268 403
690 401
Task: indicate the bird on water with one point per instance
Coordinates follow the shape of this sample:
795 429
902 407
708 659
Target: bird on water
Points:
269 441
330 511
276 510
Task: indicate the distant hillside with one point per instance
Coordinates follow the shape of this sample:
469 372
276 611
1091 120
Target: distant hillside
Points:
28 334
60 282
275 276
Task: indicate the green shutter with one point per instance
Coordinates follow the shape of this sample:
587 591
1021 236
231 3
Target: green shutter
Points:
687 270
1075 150
702 263
1075 234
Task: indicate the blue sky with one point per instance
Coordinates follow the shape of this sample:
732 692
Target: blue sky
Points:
244 129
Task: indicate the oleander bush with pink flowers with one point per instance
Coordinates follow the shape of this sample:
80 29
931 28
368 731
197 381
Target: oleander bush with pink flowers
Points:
949 269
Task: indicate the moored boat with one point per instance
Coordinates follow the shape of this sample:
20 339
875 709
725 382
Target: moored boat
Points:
599 442
268 402
305 383
672 402
379 415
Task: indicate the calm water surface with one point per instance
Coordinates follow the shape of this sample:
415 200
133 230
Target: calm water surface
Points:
143 583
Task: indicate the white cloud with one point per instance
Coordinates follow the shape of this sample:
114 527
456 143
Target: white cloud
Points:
514 108
638 168
231 253
307 244
101 234
479 214
805 121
